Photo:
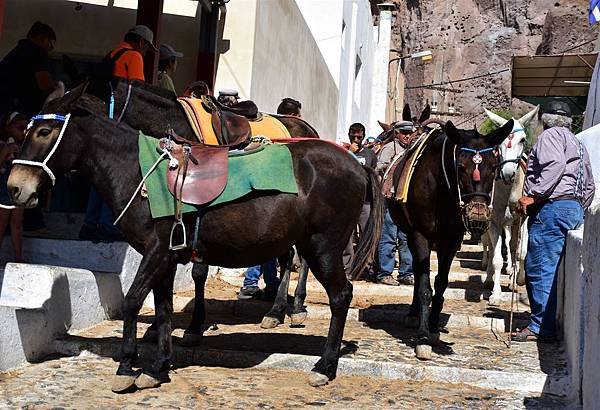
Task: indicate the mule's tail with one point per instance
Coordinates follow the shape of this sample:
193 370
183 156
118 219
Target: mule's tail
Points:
369 239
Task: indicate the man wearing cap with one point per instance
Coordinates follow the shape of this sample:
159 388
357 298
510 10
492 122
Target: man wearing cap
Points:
559 187
228 97
392 238
129 63
167 66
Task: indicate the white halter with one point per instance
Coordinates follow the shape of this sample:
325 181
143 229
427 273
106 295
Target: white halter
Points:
56 117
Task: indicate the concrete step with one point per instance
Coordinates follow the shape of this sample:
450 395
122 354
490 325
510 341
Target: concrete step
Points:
476 293
498 321
466 359
38 303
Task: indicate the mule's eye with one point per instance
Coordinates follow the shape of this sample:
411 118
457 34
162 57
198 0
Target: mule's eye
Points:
44 132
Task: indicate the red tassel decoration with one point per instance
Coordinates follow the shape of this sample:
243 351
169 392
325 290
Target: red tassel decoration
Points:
476 175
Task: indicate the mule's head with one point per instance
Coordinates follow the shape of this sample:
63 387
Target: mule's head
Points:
46 153
511 149
476 159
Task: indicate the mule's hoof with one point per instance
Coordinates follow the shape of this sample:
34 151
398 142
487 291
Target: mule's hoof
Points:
123 384
298 318
423 352
146 382
151 335
411 321
434 339
191 339
495 300
269 322
317 379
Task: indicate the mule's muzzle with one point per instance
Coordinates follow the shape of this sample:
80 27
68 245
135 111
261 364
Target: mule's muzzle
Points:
476 217
23 185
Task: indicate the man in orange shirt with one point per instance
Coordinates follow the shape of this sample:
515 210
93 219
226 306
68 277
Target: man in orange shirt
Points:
128 56
128 63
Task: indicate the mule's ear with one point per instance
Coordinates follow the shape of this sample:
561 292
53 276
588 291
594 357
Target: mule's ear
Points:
425 114
496 137
526 119
496 119
58 92
452 132
406 113
384 126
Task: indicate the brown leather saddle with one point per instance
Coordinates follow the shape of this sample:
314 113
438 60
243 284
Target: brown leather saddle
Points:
201 172
231 128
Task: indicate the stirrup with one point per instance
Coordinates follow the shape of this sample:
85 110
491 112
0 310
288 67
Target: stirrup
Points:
182 245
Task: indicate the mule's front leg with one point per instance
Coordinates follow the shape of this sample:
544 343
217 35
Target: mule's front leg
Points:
193 333
158 372
153 264
276 314
299 312
496 267
421 251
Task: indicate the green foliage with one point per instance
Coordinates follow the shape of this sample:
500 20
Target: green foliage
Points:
488 126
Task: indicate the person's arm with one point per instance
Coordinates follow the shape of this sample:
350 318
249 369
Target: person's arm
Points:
135 65
45 82
590 187
546 165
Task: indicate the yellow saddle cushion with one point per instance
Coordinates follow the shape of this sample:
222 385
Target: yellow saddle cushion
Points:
200 120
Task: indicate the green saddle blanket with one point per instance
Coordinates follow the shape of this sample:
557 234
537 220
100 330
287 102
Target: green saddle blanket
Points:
267 169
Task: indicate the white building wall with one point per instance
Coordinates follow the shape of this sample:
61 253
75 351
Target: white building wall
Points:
356 86
324 19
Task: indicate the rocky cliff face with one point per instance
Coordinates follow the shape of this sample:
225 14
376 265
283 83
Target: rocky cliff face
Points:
470 38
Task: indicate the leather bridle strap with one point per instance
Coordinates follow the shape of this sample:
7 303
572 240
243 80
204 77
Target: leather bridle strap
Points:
43 164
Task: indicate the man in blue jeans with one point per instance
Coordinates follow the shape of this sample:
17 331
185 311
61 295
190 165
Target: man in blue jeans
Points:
250 289
559 186
392 238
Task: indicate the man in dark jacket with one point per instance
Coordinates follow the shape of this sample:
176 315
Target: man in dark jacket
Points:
25 79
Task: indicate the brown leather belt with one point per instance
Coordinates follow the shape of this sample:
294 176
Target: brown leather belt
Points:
564 198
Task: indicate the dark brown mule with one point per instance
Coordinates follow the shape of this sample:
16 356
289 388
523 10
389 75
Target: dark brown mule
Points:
449 194
318 220
154 110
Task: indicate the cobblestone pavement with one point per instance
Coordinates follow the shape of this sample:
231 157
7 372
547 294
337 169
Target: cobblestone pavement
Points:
83 383
237 341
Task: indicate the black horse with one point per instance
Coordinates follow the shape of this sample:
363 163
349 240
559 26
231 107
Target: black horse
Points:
154 111
318 220
449 195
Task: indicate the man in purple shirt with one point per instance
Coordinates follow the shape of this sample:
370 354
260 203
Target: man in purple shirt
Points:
559 186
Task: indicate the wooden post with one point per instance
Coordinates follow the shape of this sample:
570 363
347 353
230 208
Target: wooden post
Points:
2 8
149 13
208 48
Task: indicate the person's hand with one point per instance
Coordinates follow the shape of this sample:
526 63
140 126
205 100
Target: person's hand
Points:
354 147
523 203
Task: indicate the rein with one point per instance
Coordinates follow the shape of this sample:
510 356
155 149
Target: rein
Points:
43 164
111 105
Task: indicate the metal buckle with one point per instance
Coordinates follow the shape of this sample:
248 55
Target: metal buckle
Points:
182 245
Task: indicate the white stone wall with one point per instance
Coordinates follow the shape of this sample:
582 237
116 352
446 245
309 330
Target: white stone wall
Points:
579 310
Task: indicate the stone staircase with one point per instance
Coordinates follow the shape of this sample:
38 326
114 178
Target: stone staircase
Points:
377 345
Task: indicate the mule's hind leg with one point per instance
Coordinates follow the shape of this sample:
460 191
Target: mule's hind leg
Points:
299 312
193 333
326 265
276 315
